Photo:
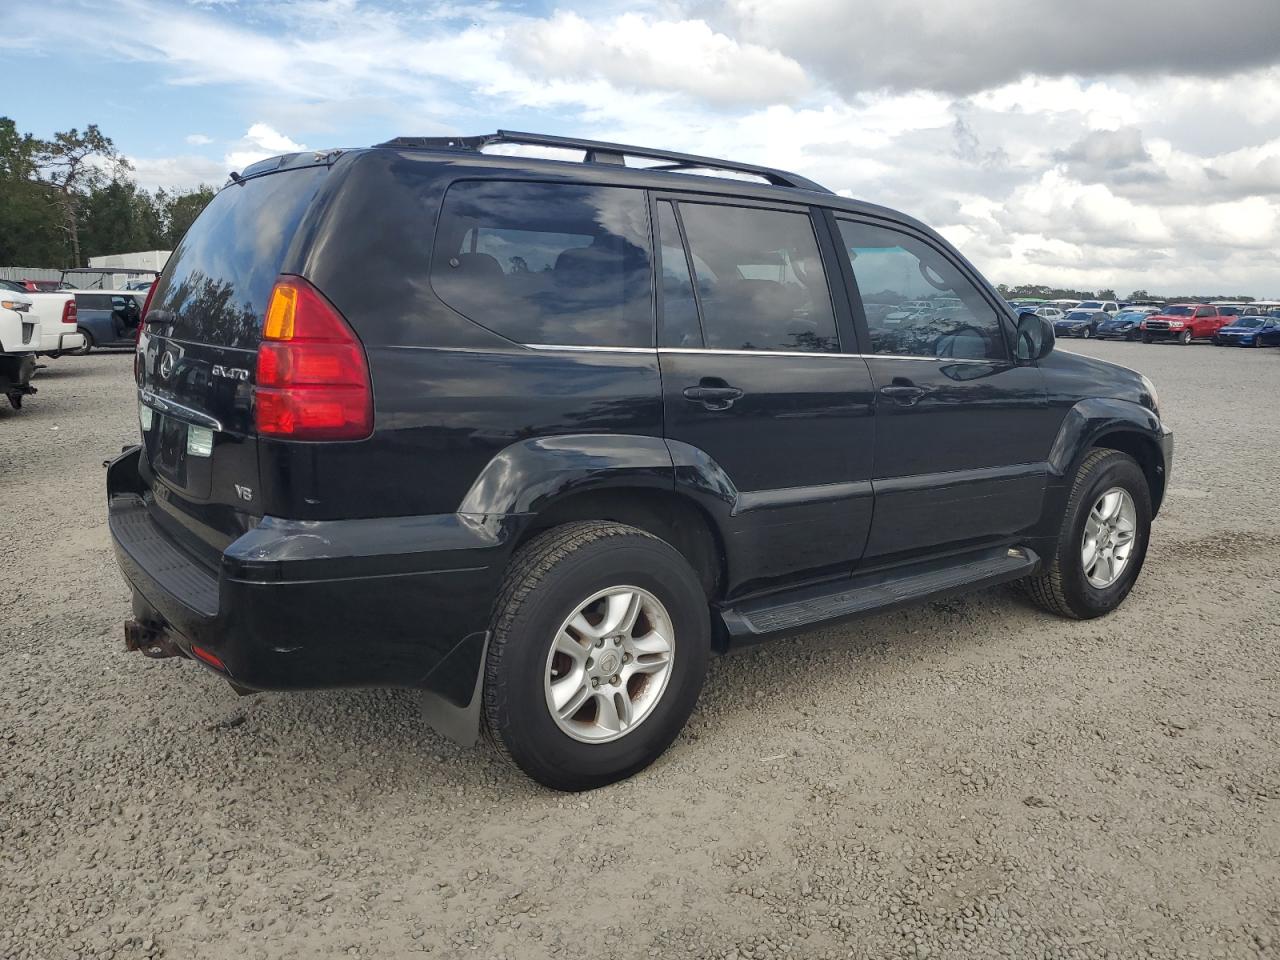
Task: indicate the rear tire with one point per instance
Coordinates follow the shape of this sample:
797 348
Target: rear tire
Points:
1145 338
88 344
550 586
1064 586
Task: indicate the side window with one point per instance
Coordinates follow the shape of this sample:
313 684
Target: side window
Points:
1204 312
760 279
679 308
917 303
547 262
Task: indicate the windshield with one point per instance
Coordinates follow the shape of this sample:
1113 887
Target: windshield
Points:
1249 322
1089 305
1080 315
1130 315
1177 311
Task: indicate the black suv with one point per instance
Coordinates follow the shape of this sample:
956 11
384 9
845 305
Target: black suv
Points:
535 437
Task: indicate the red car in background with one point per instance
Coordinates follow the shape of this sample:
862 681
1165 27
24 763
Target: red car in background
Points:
1184 322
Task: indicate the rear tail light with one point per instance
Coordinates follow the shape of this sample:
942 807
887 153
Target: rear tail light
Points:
312 379
69 311
146 304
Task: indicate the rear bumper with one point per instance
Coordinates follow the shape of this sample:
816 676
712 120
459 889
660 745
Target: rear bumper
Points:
306 605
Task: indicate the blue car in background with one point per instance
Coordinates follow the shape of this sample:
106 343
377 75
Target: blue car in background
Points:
109 318
1249 332
1125 325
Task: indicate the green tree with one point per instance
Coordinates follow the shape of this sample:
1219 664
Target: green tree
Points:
180 210
70 167
30 232
1107 295
117 217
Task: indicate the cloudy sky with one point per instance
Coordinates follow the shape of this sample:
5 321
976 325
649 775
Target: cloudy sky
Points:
1092 143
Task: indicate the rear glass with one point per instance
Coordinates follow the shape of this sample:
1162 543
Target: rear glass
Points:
215 286
547 263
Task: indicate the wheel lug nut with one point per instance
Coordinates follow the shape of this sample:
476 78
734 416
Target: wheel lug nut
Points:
590 663
614 679
595 681
617 641
600 642
626 658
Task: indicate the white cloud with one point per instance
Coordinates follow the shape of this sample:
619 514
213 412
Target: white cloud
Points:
632 52
963 48
180 172
259 142
1115 150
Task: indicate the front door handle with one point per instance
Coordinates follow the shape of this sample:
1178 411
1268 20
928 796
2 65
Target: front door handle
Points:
718 397
904 394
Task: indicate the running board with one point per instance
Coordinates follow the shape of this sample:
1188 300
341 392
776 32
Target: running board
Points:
875 592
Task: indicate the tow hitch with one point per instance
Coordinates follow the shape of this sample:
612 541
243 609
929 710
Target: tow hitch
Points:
149 638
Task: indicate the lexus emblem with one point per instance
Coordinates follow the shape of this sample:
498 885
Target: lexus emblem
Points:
167 360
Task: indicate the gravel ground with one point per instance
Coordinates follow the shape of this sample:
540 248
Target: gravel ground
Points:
971 778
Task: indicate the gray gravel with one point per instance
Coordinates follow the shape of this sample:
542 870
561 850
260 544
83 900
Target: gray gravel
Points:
967 779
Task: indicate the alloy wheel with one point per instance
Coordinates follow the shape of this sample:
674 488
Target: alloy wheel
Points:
609 664
1109 533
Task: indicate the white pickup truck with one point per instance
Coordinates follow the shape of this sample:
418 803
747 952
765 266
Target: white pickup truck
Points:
56 313
19 337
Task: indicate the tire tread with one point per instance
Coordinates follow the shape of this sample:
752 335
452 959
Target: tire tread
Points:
1047 589
528 568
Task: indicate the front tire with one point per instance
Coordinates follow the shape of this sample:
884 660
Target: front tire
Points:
1185 339
1102 542
1145 338
599 645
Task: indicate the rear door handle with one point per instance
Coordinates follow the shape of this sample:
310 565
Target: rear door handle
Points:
713 398
904 394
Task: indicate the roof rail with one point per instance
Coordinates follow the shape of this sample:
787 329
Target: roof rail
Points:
598 151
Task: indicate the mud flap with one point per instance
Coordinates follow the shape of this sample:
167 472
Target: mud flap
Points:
450 700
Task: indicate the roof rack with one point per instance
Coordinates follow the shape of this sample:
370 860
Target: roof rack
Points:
598 151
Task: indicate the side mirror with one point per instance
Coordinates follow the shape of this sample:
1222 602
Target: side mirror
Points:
1035 337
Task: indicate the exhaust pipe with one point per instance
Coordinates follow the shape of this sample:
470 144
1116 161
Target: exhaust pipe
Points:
149 638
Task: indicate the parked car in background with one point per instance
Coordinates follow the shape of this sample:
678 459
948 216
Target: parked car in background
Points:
1066 306
108 319
1184 322
56 313
1079 323
1106 306
44 286
1249 331
19 338
1052 314
1125 325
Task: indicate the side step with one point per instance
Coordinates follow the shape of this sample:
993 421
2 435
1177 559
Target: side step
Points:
875 592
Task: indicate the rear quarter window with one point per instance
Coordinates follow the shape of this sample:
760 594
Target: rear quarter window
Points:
547 263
